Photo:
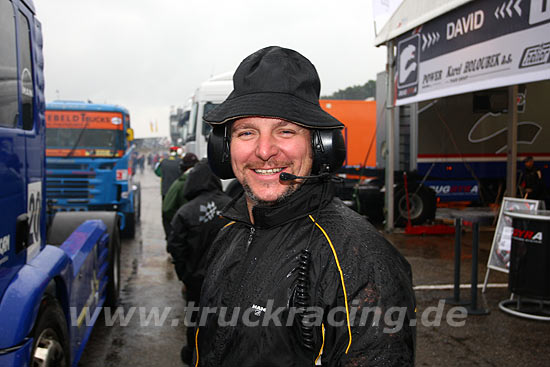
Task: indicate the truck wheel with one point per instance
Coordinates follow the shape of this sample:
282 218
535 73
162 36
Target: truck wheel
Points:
138 206
422 205
113 287
371 203
130 227
51 337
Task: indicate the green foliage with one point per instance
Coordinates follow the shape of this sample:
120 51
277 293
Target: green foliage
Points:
357 92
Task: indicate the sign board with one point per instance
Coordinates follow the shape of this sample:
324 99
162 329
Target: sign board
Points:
499 257
480 45
83 119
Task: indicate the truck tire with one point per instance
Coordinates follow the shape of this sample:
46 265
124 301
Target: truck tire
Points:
138 211
129 230
113 287
369 201
137 208
50 334
422 204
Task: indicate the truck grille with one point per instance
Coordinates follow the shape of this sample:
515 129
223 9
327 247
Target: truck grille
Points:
72 186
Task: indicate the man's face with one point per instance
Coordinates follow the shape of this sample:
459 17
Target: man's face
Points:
262 148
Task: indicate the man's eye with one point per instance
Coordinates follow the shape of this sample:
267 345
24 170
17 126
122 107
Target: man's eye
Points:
244 133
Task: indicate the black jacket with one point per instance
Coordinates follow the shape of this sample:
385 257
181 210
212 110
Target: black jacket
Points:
254 271
169 169
196 223
532 179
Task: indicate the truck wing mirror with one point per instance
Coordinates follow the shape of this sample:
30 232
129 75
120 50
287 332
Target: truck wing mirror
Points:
130 134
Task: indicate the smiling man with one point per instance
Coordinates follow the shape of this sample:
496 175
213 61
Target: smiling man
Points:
262 148
296 278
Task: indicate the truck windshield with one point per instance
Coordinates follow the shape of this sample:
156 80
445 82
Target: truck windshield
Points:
84 134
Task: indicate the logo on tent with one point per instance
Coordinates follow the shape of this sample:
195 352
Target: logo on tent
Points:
408 61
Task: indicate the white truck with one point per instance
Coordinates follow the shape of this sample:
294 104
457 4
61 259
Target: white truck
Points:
207 96
195 131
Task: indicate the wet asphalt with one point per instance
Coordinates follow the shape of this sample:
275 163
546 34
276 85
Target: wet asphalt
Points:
149 285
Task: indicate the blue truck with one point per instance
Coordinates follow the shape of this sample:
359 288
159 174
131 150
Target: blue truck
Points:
53 279
88 161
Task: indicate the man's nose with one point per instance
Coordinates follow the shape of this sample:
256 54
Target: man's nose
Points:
267 147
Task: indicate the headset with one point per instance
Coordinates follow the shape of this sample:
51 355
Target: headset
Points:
329 151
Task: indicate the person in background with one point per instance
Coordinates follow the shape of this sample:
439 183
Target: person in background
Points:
134 160
294 254
531 181
141 162
175 195
194 228
156 158
168 169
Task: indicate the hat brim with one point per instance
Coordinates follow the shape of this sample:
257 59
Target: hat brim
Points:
277 105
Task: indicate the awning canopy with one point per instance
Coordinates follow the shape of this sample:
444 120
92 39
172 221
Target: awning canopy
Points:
413 13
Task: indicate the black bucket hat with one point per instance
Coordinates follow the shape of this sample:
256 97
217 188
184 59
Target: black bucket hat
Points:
275 82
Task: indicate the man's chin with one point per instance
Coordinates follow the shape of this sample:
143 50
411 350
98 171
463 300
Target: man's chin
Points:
268 198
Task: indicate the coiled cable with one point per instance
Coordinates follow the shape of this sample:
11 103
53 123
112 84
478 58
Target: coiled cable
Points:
302 299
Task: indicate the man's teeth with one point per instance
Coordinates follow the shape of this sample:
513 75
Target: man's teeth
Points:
268 171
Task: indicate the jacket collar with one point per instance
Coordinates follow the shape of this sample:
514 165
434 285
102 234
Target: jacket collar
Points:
306 200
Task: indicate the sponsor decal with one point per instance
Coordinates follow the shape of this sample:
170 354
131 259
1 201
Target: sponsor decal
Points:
83 119
506 9
102 152
34 209
463 25
258 309
121 174
208 212
4 244
407 69
432 77
455 189
525 235
429 39
535 55
26 83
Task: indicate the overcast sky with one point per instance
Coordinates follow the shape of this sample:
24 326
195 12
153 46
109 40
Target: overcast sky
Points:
149 55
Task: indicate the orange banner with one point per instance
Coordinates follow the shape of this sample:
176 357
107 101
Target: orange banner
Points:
359 117
79 119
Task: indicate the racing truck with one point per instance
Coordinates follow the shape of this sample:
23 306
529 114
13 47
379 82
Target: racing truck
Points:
88 161
54 279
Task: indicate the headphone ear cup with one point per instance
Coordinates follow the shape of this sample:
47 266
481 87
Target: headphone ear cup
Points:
329 150
219 157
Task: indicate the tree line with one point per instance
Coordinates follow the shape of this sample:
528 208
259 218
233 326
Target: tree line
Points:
357 92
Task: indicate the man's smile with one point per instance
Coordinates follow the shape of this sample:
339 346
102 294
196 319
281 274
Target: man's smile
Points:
269 171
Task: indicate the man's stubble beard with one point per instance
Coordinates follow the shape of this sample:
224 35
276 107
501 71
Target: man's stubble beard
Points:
291 189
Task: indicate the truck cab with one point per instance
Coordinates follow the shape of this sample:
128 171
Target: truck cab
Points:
21 140
88 160
47 275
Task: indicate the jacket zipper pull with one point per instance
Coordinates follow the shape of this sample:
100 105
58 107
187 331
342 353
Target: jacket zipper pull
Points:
250 237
